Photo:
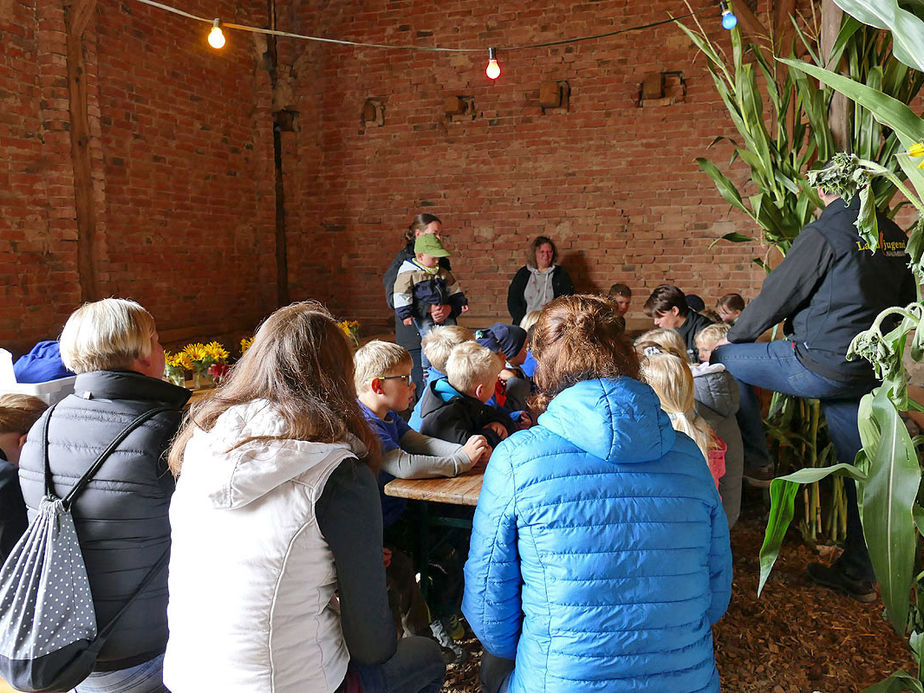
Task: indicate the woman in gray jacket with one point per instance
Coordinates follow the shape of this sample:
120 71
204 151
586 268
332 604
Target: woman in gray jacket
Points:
121 516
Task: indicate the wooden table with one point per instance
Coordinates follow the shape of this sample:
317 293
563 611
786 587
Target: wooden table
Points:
459 490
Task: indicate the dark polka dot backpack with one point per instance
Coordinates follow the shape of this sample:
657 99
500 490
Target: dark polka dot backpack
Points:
49 640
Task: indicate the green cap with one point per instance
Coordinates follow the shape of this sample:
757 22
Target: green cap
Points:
428 244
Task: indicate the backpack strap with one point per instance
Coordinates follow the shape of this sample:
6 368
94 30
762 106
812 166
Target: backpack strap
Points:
94 468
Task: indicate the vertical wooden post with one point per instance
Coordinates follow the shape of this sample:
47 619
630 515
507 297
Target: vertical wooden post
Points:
282 256
839 115
77 15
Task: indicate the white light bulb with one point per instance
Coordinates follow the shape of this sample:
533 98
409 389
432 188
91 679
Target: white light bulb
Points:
216 38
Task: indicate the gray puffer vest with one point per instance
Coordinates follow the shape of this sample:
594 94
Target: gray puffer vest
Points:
121 516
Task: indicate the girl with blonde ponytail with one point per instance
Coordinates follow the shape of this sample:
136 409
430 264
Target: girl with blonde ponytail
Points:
671 379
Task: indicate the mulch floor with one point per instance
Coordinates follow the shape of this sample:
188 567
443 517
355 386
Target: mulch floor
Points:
797 638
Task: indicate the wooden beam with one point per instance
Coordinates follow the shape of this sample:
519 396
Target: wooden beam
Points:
783 30
839 114
77 15
749 24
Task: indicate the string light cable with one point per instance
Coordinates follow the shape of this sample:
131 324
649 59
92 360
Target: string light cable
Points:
218 24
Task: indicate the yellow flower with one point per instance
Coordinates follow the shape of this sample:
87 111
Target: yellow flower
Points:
195 352
245 345
916 150
216 351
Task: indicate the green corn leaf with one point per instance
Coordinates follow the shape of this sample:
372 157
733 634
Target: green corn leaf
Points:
907 30
888 111
734 237
726 188
899 682
918 514
782 496
866 223
888 498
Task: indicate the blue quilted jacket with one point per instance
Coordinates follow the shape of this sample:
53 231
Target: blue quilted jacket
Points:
600 557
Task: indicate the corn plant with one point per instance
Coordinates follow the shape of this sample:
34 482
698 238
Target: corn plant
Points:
888 467
779 138
779 141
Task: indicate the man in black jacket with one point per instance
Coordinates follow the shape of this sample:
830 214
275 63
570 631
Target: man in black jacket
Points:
827 289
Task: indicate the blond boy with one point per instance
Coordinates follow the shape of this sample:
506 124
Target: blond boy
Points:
384 387
453 408
437 346
708 337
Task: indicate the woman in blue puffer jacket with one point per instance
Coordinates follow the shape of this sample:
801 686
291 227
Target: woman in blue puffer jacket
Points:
599 557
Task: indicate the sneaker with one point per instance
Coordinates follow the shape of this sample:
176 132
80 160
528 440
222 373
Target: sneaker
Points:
453 626
833 578
458 655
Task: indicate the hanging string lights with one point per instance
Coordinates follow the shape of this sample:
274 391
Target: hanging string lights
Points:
216 37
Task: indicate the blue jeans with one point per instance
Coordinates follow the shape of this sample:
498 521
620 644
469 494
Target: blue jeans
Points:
416 667
774 366
147 677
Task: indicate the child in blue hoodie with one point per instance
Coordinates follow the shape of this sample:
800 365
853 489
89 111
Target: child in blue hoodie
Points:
453 408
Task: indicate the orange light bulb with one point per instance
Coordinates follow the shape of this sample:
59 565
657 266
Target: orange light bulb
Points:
493 69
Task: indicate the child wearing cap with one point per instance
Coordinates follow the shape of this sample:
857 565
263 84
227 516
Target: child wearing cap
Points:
425 293
509 342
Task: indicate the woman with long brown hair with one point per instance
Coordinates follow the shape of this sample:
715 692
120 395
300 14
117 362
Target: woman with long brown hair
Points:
277 580
599 556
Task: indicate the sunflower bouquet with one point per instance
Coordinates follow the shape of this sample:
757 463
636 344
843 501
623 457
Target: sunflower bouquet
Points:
206 361
176 366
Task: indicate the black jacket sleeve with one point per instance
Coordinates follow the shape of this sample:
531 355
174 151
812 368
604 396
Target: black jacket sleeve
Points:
13 519
562 282
787 288
349 515
516 301
388 281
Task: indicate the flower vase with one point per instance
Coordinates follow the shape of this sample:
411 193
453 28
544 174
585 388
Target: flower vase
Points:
201 380
177 378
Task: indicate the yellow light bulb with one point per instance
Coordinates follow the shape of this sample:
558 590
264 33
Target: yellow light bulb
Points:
493 69
216 38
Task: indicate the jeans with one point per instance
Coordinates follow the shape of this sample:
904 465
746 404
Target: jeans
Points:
774 366
147 677
416 667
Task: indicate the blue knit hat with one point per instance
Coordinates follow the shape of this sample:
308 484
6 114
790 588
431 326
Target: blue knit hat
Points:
508 339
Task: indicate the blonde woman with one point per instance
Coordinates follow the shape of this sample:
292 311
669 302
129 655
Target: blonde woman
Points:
121 517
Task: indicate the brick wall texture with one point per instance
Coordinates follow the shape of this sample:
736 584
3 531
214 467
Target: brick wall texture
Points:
184 178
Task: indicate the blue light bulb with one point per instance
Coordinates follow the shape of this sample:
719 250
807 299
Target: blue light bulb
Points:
729 20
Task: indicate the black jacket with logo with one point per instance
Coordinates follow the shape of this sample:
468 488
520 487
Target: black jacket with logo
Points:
828 289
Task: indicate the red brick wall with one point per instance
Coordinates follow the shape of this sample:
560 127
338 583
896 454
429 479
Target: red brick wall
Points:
614 185
183 173
182 166
38 279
